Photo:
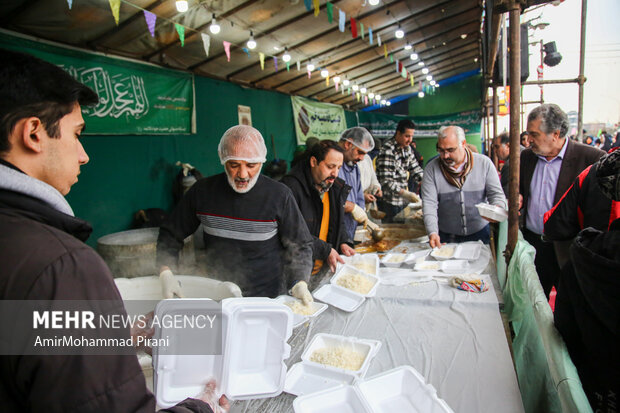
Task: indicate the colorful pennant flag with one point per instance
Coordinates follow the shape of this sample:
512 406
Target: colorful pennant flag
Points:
309 74
400 66
397 68
287 67
261 56
404 73
206 42
308 4
392 59
366 100
150 18
379 40
246 51
357 95
411 79
227 49
115 5
70 3
330 12
275 62
362 29
181 32
353 28
298 66
317 5
341 17
327 81
370 35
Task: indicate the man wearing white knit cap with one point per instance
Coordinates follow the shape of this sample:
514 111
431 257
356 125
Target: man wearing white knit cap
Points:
254 233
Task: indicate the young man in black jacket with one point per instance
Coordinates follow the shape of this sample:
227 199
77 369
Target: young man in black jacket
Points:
321 197
42 248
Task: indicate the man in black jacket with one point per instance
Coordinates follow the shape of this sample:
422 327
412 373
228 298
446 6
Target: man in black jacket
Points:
42 251
321 197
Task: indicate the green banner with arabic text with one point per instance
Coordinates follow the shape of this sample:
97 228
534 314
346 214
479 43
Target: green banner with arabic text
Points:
317 119
134 98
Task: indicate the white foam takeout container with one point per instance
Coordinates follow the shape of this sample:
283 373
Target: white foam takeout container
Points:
493 212
299 319
417 256
447 266
394 259
367 347
339 297
401 389
349 270
465 251
368 263
254 347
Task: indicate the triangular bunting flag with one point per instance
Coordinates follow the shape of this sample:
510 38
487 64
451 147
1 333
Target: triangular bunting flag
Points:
309 74
206 42
150 21
353 28
362 29
330 12
379 40
181 32
404 73
397 68
317 5
392 59
357 95
411 79
261 56
370 35
115 5
70 3
327 81
366 100
275 62
227 49
308 4
246 51
298 66
336 85
400 66
341 17
287 67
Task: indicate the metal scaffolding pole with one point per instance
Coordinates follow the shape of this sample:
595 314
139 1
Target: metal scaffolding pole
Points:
581 79
515 106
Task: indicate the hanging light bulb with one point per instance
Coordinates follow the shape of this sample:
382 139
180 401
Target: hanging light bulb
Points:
345 82
399 33
383 101
286 57
310 67
420 94
181 6
433 83
337 79
214 28
413 56
420 63
355 87
436 84
373 2
378 97
324 73
425 70
408 46
251 43
388 103
371 95
363 89
429 78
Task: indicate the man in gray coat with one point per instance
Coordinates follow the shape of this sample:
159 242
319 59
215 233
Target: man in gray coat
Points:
453 183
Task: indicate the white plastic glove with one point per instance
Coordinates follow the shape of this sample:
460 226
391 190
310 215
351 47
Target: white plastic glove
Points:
372 226
359 214
410 196
170 286
300 291
209 396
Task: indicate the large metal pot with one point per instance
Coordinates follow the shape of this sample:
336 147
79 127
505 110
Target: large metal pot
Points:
132 253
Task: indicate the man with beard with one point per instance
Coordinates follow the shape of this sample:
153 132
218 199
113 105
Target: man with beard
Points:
395 163
321 197
254 234
548 168
355 142
453 183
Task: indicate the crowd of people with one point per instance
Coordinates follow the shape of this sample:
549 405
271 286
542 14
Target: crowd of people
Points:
273 237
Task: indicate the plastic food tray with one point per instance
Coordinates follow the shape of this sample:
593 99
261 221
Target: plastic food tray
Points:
394 260
348 270
299 319
492 212
417 256
401 389
447 266
363 262
254 347
303 378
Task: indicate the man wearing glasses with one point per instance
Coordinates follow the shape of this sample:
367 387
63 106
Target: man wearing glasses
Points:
453 183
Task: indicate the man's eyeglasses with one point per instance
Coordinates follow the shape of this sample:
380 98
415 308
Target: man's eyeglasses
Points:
449 150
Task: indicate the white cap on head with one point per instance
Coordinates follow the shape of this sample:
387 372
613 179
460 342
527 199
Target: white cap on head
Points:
360 137
242 143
